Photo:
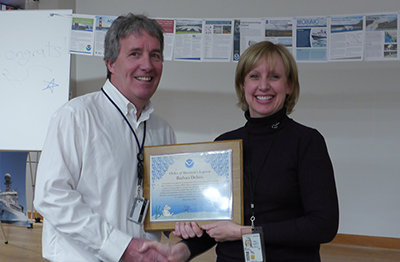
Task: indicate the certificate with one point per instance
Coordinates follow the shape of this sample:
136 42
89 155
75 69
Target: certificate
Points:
199 182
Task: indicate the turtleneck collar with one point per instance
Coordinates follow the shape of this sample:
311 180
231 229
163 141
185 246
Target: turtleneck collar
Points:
265 125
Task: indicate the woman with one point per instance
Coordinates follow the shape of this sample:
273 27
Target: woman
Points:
288 174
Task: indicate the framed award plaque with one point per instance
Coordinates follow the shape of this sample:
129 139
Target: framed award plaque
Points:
199 182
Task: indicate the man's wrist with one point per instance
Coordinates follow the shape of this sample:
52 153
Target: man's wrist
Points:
115 246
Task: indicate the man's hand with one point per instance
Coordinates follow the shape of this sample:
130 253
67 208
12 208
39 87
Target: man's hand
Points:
176 253
132 253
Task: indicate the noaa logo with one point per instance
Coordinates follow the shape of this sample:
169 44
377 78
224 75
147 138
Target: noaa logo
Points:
88 47
236 56
189 163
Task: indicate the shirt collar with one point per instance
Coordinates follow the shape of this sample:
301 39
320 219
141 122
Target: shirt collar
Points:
127 108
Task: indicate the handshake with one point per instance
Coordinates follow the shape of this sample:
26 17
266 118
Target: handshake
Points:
153 251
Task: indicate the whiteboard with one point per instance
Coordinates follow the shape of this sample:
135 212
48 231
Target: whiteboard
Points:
34 74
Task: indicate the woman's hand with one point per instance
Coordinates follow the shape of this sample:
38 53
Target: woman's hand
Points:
226 231
187 230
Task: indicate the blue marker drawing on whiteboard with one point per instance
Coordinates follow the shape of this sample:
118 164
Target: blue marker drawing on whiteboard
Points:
50 85
62 15
10 77
30 72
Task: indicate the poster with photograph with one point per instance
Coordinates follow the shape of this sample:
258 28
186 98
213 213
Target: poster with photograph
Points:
381 31
311 39
12 188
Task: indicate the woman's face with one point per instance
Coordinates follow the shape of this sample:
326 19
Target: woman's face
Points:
266 87
248 242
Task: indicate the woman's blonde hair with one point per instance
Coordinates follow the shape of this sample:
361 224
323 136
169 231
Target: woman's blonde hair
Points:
250 58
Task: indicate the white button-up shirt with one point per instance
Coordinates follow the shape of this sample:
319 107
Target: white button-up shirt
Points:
87 176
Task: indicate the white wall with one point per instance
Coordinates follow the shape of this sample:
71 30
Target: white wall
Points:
354 104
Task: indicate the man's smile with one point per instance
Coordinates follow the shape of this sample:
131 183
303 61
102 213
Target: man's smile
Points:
144 78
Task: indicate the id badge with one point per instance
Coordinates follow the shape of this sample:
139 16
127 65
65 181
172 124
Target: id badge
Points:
253 246
138 210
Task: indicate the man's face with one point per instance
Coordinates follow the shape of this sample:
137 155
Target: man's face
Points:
137 71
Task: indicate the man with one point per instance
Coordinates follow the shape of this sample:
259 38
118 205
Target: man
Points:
90 168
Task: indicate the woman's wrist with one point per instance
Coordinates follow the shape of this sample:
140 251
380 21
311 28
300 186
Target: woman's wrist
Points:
245 230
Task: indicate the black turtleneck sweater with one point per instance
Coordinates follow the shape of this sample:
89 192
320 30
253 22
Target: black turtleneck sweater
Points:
295 198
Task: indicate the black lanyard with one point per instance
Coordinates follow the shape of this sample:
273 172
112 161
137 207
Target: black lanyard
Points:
253 186
140 156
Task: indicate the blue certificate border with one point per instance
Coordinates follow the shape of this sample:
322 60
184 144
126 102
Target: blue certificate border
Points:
191 186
